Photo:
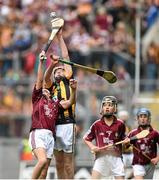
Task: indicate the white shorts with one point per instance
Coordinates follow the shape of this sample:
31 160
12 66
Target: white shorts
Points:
65 138
109 165
146 171
42 138
127 159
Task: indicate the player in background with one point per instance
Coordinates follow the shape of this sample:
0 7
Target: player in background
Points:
145 149
107 130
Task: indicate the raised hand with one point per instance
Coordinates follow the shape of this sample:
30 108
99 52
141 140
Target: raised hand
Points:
73 83
42 56
155 160
54 59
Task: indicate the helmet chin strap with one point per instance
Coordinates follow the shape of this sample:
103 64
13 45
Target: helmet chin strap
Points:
144 126
58 79
108 115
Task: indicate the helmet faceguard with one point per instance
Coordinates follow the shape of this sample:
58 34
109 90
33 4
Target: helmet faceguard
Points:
109 99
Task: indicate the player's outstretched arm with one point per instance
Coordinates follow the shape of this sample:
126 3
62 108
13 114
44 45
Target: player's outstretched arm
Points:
64 54
48 80
40 73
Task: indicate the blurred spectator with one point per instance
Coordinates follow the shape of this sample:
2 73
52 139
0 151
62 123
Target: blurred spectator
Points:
118 10
29 62
80 45
124 83
11 77
121 41
82 78
12 101
99 34
123 76
71 16
6 48
153 13
22 38
103 20
94 107
84 7
151 66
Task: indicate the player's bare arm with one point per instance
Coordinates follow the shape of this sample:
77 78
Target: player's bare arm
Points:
94 149
40 73
64 54
66 104
155 160
73 85
48 73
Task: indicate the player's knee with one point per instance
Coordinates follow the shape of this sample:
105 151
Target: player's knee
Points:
42 162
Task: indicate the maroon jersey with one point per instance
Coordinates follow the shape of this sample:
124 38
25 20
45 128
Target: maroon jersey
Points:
147 145
104 134
45 112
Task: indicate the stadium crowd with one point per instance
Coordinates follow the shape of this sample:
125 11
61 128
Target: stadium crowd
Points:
98 33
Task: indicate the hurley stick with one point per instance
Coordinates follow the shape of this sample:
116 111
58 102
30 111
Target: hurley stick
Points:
140 135
107 75
141 152
56 23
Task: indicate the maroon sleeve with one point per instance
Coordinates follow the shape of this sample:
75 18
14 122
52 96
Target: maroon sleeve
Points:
36 94
157 137
123 127
90 134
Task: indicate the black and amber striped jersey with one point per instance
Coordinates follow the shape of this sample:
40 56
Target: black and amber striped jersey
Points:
63 91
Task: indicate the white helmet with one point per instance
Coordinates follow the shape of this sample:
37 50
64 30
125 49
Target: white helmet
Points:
110 99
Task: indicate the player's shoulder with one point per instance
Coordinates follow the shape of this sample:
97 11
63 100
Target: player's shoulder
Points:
96 123
155 131
120 120
134 131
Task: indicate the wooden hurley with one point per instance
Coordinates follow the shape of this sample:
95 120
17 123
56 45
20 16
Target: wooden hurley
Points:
56 24
107 75
140 135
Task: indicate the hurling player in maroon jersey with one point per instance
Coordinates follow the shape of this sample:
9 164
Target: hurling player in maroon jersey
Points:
45 113
107 130
143 166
